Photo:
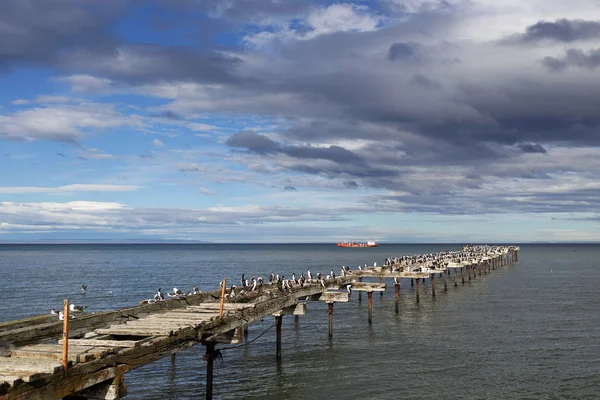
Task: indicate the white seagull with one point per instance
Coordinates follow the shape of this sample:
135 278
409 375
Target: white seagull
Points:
74 308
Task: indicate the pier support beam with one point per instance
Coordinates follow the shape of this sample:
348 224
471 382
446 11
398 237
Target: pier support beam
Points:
433 285
112 389
330 310
462 275
412 282
469 272
381 281
246 330
278 319
417 289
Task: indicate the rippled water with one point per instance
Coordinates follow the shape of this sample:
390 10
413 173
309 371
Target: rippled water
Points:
531 330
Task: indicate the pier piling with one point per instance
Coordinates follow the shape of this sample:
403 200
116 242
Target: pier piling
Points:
397 298
278 319
370 303
462 275
432 285
417 289
445 280
330 309
210 358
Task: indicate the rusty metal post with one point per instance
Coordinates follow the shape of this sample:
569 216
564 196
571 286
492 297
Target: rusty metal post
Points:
370 299
433 285
455 284
360 291
222 298
446 280
330 307
65 346
278 319
397 299
210 358
417 289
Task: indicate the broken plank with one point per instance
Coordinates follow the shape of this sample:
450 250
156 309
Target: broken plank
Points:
108 343
124 331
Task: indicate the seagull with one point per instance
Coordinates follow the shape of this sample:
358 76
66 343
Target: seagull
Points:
359 268
309 275
322 284
54 311
75 308
61 316
83 288
159 296
396 280
178 292
196 290
243 281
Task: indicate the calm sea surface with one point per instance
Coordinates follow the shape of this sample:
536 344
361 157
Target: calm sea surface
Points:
527 331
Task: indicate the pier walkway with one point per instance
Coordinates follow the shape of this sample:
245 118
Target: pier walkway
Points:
96 350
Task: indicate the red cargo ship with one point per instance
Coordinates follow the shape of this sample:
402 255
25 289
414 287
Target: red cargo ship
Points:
370 243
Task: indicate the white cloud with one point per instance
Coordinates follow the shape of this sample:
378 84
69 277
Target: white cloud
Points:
68 188
62 122
86 83
158 143
195 126
321 21
207 192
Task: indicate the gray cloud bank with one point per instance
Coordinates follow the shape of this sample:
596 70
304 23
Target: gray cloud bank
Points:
416 104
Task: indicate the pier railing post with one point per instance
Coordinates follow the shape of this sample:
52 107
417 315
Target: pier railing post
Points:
65 336
222 298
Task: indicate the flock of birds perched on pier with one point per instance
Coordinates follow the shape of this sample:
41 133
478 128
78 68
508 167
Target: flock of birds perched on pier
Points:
430 262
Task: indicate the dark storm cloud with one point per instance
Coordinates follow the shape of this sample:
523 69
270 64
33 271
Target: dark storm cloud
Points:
261 144
403 51
141 63
532 148
37 32
425 82
168 115
575 58
253 142
561 30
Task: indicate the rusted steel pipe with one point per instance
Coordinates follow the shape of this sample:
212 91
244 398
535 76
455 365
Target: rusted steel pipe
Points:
65 346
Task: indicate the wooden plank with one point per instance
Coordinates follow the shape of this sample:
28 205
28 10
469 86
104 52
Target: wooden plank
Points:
24 365
368 286
335 297
226 306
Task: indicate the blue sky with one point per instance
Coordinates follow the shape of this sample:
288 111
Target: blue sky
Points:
299 121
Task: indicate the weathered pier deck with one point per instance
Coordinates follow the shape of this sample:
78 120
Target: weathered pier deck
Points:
35 363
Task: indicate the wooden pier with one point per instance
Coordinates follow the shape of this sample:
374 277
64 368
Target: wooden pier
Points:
87 358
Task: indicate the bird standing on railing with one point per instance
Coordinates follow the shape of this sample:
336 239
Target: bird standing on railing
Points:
75 308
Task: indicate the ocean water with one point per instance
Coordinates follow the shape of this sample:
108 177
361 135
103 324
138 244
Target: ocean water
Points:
527 331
